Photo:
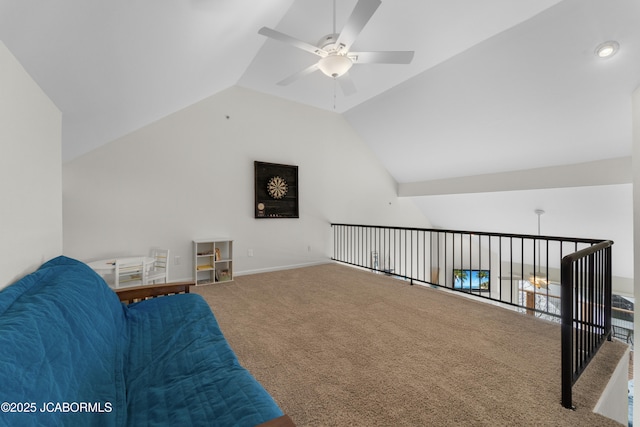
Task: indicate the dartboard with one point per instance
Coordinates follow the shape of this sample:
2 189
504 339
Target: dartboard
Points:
277 187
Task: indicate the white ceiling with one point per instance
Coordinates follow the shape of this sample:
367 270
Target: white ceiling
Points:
534 95
495 85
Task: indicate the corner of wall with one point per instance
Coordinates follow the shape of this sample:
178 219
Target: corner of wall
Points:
30 173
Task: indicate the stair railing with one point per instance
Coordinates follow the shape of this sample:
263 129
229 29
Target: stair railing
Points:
586 311
561 279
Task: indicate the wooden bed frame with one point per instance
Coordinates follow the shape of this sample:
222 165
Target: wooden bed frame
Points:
283 421
140 293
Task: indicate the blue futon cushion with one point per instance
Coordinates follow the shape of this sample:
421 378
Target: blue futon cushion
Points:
190 376
72 355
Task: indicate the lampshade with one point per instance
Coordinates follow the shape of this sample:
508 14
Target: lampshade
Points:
335 65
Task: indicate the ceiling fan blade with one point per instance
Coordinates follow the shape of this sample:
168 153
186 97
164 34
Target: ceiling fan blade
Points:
346 84
389 57
361 14
292 78
277 35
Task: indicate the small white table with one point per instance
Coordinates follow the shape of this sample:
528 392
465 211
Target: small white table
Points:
107 267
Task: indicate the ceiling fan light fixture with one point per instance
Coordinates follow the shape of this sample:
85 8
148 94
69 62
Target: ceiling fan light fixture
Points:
607 49
538 282
335 65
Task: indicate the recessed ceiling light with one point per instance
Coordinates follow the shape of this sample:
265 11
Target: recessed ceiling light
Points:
607 49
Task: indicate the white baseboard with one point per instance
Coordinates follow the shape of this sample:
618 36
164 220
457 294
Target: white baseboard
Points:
280 267
265 270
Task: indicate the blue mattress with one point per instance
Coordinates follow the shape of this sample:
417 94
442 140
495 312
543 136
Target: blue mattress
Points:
193 370
72 355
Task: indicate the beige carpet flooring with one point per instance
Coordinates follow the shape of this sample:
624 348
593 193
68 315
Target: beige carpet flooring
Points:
337 346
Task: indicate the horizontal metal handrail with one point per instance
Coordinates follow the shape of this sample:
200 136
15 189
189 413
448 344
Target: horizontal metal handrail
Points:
598 246
478 233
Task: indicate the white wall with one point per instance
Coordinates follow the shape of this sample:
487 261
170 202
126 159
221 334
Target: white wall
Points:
614 401
596 212
30 173
636 228
190 175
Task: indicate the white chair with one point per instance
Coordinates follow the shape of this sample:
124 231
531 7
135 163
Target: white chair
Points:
160 268
130 272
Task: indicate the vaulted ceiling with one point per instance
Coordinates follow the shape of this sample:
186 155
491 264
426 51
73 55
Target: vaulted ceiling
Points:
495 85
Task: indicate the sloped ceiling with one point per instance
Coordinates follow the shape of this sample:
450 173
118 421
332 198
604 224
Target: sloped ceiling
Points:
494 75
495 85
534 95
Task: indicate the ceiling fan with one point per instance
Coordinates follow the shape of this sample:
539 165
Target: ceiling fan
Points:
334 49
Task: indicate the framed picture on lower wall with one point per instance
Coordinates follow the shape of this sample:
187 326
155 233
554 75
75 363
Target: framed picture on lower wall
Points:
276 190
